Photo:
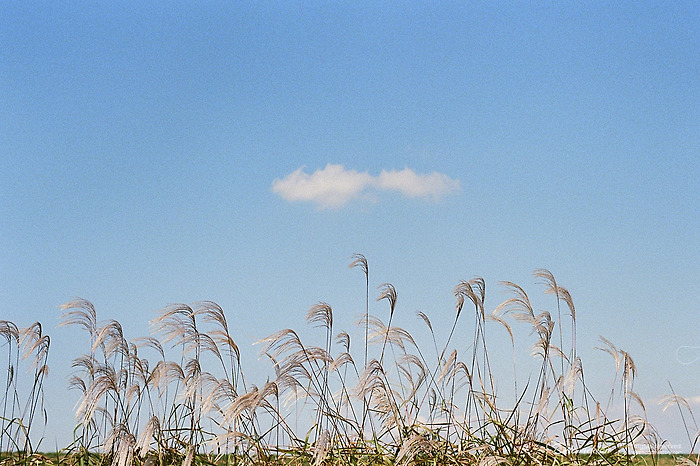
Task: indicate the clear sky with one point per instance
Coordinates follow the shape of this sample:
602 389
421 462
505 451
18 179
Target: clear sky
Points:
241 152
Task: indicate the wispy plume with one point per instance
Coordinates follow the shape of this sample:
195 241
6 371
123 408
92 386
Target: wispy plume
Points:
334 186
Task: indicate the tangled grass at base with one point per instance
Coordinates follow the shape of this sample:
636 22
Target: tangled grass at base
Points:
180 396
58 459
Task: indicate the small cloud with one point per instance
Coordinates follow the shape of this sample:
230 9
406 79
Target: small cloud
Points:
331 187
412 184
334 186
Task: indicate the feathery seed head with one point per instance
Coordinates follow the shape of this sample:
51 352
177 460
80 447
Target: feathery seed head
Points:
320 314
359 261
388 293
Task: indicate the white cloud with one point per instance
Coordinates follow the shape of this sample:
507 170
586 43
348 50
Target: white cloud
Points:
331 187
334 186
411 184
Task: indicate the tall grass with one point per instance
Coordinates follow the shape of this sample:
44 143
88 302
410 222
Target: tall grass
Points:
180 395
23 412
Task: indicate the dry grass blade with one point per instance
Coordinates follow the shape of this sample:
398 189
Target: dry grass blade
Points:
189 457
340 361
123 443
106 380
359 261
573 376
150 431
321 314
425 319
448 367
548 279
506 325
491 460
629 368
246 402
343 339
9 331
163 374
279 342
519 305
612 351
397 336
150 342
670 400
474 290
321 448
110 337
416 445
638 399
36 344
80 312
211 312
389 293
177 323
566 297
204 343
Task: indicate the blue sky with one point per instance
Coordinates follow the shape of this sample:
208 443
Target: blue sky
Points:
141 147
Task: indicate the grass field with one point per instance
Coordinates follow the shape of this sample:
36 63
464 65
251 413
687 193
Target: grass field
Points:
95 459
180 395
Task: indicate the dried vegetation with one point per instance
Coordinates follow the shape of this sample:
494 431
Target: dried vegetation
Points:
180 395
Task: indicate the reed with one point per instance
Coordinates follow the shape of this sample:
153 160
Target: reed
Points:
180 396
23 412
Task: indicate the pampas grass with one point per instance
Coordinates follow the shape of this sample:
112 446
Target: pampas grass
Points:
180 396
